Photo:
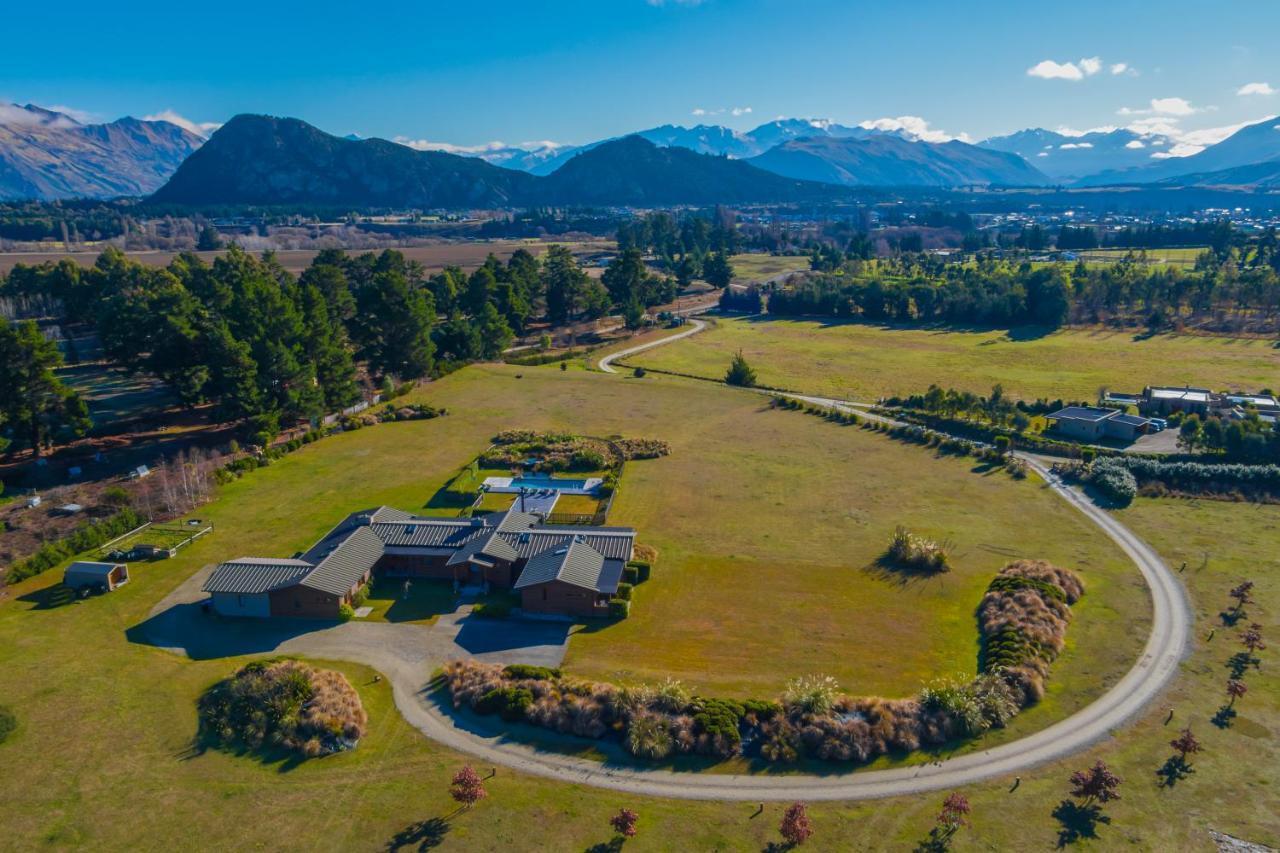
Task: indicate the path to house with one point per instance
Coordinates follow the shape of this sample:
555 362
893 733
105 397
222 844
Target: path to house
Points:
606 363
408 654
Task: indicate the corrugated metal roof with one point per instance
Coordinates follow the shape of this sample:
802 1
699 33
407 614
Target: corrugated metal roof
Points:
489 544
1082 413
613 543
90 567
254 575
576 563
428 533
346 564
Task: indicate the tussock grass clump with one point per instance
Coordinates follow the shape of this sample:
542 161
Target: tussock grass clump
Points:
284 703
1023 619
916 553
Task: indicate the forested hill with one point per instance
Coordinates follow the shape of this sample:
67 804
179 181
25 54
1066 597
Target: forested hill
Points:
263 160
634 171
267 161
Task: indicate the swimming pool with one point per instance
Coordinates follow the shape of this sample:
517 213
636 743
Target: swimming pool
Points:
542 482
557 483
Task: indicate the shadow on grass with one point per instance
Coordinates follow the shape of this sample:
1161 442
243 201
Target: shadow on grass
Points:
426 599
887 570
1077 822
613 845
1224 717
1174 771
423 835
1016 334
1238 664
50 598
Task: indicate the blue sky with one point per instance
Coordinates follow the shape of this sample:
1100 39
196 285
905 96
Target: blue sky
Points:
473 73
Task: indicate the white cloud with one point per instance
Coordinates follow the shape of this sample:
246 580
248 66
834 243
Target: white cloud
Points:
1043 154
1184 142
1164 107
1119 67
1069 145
448 147
914 127
82 116
1135 143
733 111
1048 69
1071 131
1256 89
199 128
15 116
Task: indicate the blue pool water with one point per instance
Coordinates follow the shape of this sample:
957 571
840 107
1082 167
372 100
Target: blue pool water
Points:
534 482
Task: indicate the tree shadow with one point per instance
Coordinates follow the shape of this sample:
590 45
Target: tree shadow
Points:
423 835
1174 771
1238 664
1077 822
1224 717
937 841
1231 617
885 568
614 845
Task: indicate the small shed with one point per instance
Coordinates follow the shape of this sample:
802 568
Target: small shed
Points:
105 576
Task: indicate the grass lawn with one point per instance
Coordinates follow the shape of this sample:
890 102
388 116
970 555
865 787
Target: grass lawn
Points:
426 600
119 722
864 361
752 267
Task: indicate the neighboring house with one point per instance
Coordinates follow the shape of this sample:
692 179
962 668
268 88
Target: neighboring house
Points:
1090 423
104 576
1157 400
494 549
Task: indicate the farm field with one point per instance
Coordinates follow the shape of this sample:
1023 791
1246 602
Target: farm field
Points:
1183 257
463 253
382 795
863 361
751 267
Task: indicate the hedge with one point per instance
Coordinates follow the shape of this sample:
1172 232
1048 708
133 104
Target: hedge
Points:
619 608
642 570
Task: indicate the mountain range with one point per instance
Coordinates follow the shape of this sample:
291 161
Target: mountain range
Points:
50 155
1069 157
263 160
890 160
45 154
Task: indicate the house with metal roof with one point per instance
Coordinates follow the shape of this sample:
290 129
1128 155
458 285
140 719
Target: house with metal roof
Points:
494 550
1161 400
572 579
1091 423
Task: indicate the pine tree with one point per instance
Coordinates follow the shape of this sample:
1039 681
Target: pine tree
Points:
740 373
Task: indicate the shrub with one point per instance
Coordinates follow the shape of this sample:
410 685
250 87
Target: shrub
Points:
361 596
346 612
638 373
8 722
624 591
115 496
812 694
508 702
909 551
1114 480
631 575
648 736
525 671
642 570
716 725
283 703
619 608
740 373
1016 467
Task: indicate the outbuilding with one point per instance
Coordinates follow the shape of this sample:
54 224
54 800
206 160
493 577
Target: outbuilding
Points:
84 574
